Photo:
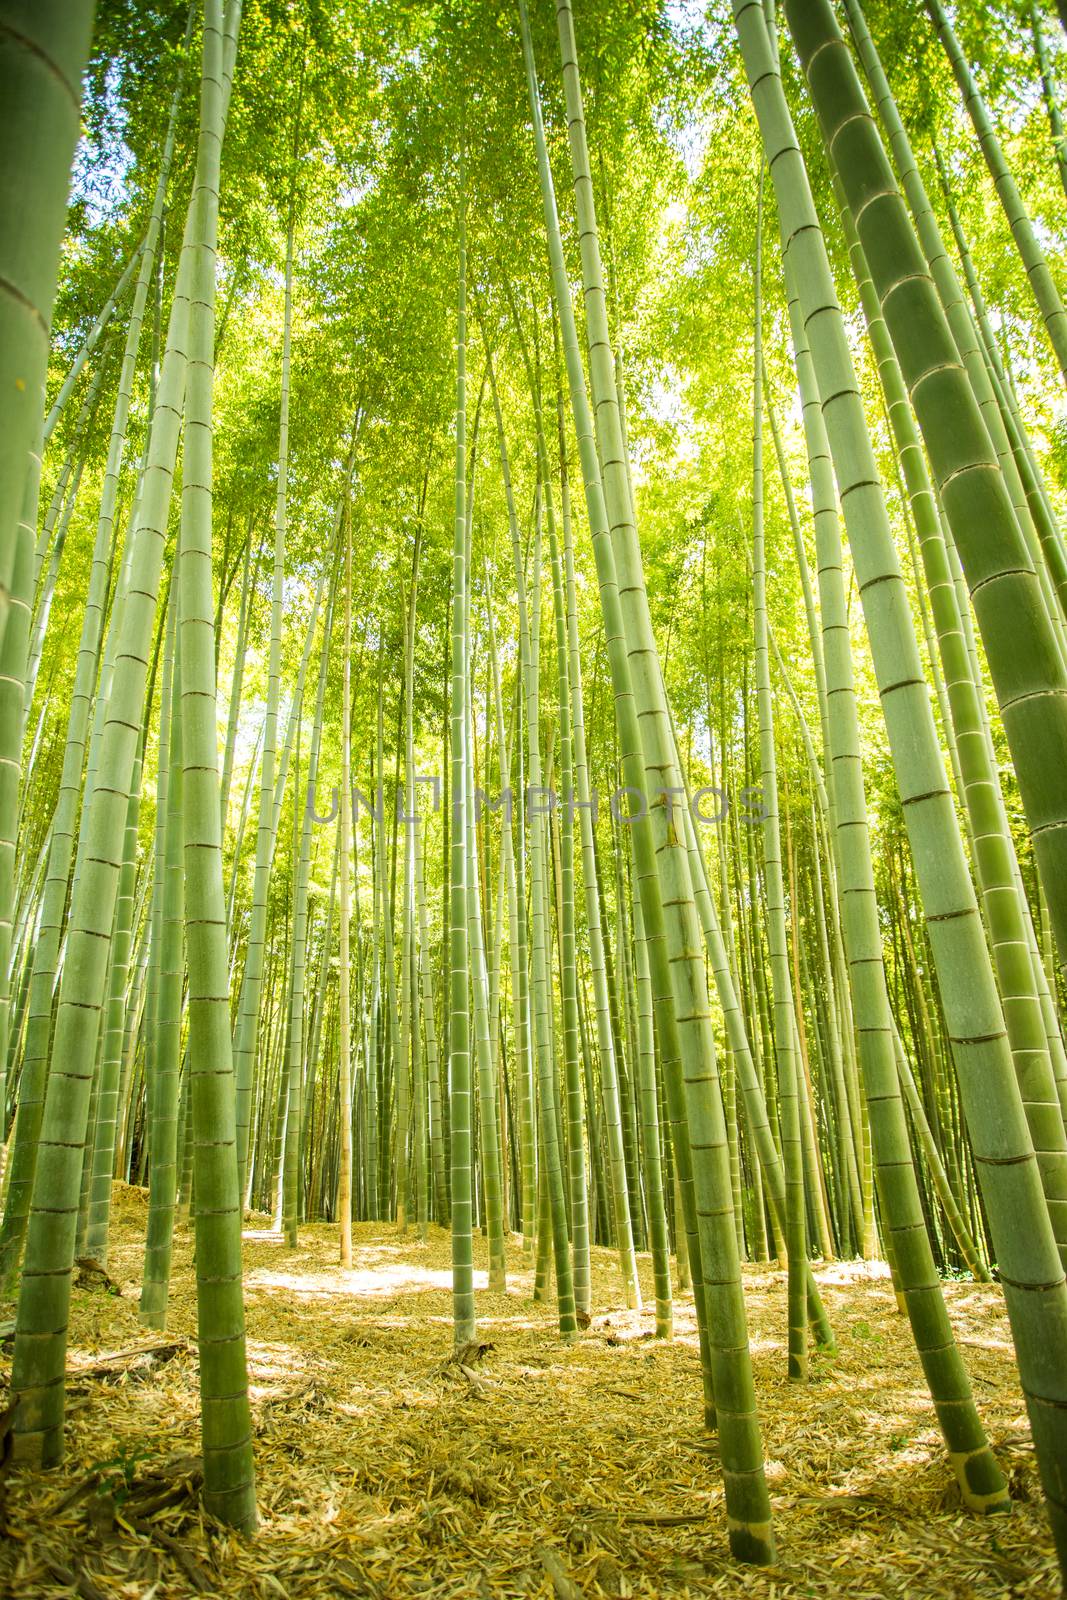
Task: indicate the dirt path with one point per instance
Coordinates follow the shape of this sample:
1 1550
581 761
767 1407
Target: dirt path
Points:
384 1470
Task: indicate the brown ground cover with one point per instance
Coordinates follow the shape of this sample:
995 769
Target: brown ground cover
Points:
385 1469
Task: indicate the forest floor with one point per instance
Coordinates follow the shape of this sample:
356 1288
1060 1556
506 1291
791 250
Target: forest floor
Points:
384 1469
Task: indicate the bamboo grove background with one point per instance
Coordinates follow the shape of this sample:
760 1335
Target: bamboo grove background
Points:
533 666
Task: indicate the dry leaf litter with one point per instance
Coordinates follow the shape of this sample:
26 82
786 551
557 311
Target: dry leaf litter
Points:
389 1466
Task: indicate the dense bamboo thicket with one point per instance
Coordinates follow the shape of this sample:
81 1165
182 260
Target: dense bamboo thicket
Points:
533 683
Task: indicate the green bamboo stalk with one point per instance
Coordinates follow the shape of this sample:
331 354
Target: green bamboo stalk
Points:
814 1178
837 438
344 824
247 1028
98 1169
973 1463
646 1063
544 1054
229 1482
841 1033
1032 691
417 976
1038 518
370 1051
949 291
407 1099
384 1022
652 908
317 1062
104 316
394 1070
459 1028
497 937
961 1232
490 1150
489 1165
46 949
1048 89
164 1044
132 1073
846 1148
993 849
784 1024
44 46
50 1238
12 664
1030 252
234 708
609 1077
568 961
515 862
45 593
238 843
296 1043
670 921
1028 673
429 1025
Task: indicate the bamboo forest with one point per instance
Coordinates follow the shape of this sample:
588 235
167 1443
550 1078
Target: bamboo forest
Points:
533 799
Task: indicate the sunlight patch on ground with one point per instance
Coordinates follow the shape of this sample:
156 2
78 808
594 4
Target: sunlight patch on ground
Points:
369 1281
853 1272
